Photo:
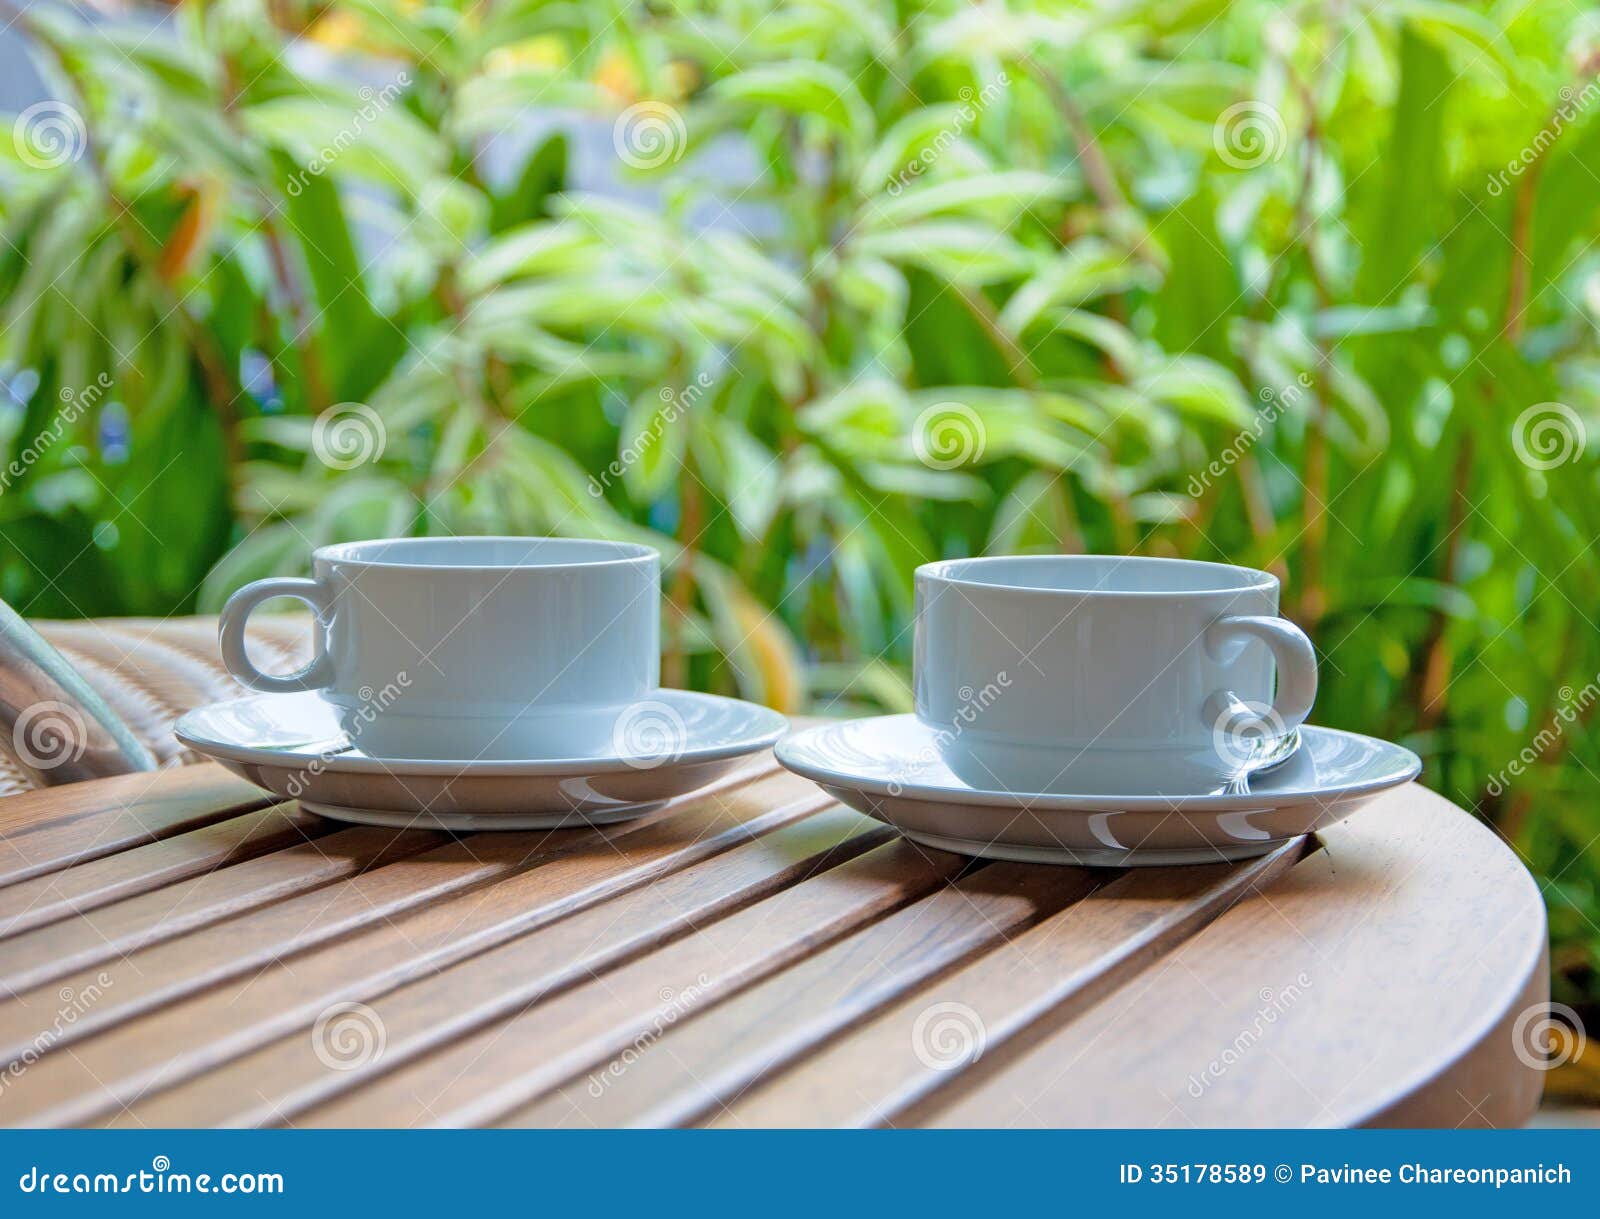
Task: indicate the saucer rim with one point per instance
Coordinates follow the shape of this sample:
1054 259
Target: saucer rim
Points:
776 725
1408 767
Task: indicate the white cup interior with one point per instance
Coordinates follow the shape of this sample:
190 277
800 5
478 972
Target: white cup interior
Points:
485 553
1100 574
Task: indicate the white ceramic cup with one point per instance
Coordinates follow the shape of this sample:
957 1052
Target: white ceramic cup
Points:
470 647
1103 675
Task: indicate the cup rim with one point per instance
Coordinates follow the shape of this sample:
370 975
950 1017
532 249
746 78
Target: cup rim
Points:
954 572
623 554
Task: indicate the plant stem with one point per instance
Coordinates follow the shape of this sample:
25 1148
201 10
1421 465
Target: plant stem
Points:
680 595
977 305
1434 681
1097 171
1313 599
1434 676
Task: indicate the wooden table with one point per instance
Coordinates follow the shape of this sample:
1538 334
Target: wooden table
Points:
177 950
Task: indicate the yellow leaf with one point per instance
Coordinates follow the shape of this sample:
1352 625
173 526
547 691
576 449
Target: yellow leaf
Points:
338 29
617 76
546 52
772 653
682 78
192 234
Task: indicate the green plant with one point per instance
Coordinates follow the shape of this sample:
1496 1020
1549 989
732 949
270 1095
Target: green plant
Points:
1286 285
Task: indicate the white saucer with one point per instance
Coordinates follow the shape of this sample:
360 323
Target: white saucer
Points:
294 746
888 767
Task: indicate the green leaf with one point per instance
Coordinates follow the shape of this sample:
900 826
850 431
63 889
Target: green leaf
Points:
651 446
1200 389
963 253
1476 40
338 135
809 90
873 287
740 469
869 414
920 482
531 250
358 346
1085 270
1414 193
543 174
1202 286
995 197
1033 516
1110 337
913 143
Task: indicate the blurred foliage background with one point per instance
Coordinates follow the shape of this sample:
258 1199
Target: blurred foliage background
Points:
806 294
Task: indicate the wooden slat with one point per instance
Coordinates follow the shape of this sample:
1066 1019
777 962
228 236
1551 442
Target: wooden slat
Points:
707 1060
44 899
1393 964
37 957
481 1077
277 1081
55 827
727 962
532 889
1062 965
243 945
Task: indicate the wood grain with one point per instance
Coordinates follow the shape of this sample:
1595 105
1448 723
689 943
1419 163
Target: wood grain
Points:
77 890
872 1075
751 955
482 1076
279 1080
37 957
54 827
704 1063
532 888
1352 992
246 944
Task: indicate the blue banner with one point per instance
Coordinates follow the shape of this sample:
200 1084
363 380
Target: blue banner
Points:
783 1173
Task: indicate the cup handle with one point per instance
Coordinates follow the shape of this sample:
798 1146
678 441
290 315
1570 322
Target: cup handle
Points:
1291 650
230 636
